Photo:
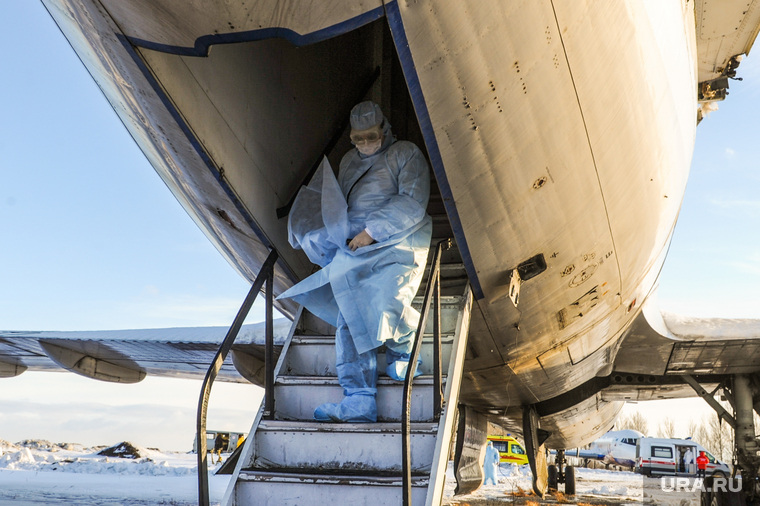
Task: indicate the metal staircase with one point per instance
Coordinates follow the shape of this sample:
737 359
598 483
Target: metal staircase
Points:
289 459
293 460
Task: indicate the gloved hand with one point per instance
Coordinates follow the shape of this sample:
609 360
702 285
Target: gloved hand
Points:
362 239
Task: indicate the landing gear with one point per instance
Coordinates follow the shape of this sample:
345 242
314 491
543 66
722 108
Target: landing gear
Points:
569 480
743 393
745 440
561 473
544 477
534 446
552 478
720 495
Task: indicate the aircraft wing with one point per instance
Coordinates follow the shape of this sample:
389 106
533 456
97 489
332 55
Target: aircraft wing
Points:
722 33
127 356
660 348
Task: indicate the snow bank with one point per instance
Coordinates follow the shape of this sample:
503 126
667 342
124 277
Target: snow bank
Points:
40 472
67 458
706 329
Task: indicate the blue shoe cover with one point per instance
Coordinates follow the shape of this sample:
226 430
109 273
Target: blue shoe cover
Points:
397 370
352 409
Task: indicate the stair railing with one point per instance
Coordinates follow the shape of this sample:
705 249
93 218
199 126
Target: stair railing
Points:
266 275
433 291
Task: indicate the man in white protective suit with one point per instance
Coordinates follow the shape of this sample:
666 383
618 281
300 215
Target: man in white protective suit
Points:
491 464
370 233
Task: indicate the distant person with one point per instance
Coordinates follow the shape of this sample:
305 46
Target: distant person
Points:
220 445
702 461
491 464
688 458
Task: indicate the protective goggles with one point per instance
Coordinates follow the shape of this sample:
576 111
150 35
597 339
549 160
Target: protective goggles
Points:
359 138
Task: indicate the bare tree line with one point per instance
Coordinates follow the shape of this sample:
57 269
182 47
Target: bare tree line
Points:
715 435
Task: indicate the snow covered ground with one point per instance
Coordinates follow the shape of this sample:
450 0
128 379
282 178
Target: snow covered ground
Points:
38 472
593 486
515 483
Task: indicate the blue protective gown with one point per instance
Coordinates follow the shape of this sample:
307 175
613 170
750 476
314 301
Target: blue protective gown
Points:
373 287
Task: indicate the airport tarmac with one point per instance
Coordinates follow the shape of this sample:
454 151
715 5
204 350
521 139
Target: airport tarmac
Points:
593 487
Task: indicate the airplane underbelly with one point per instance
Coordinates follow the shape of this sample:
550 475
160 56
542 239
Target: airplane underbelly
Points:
560 134
565 130
571 427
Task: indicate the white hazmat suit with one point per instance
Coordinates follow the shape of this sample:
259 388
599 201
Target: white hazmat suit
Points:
491 464
366 293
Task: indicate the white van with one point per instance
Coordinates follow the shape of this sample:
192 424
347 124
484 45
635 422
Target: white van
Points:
675 457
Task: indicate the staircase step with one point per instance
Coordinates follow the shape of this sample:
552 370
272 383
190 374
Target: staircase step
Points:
296 397
302 489
315 356
453 275
450 270
366 448
450 307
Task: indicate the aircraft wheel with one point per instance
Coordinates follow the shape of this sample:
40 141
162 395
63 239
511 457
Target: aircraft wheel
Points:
711 497
569 480
552 477
705 498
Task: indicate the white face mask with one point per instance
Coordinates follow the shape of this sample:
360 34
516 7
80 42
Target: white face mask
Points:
369 148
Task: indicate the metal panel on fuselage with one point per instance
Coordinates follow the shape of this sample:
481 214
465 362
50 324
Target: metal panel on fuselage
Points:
173 24
561 127
564 129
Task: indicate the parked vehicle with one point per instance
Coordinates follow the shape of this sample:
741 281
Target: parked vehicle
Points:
510 451
658 456
232 440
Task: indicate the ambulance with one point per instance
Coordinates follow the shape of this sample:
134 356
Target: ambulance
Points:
510 451
659 456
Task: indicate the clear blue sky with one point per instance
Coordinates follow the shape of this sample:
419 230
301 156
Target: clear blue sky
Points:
713 268
94 240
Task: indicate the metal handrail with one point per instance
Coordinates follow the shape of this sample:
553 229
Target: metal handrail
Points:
266 274
433 291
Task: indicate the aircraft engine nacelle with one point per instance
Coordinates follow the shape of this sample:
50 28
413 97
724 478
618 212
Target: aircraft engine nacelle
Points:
93 360
10 369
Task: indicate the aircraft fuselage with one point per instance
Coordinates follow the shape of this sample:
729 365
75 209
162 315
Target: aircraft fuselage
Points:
555 130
